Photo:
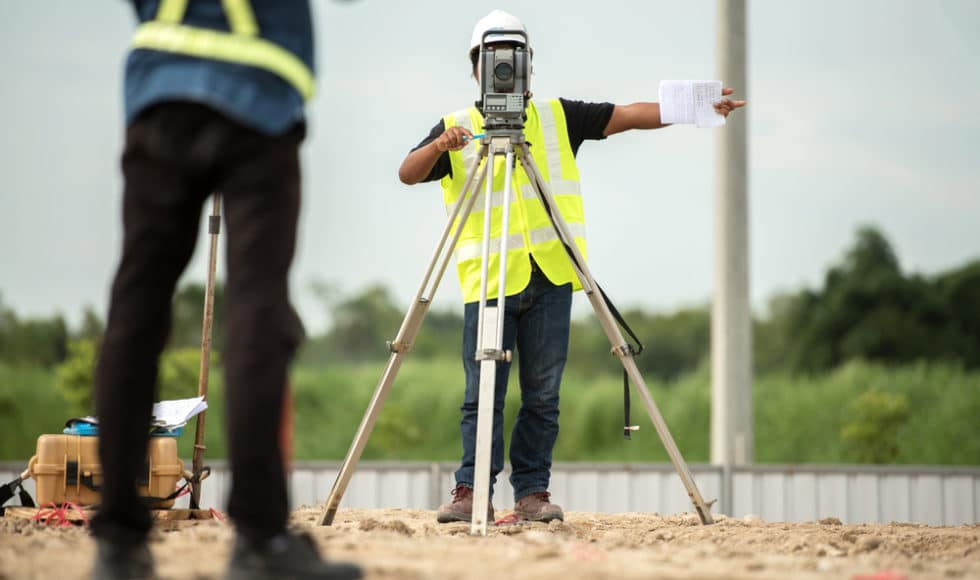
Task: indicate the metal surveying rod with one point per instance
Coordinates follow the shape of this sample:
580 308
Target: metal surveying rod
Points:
214 228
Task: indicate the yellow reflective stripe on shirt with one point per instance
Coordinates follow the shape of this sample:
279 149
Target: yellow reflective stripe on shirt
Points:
558 187
569 169
240 17
471 149
548 233
459 161
212 44
496 201
171 11
474 250
549 132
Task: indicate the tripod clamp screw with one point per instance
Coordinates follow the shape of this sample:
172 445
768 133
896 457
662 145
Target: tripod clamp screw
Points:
494 354
395 346
623 350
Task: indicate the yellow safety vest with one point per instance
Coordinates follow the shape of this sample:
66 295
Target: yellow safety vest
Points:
531 231
242 45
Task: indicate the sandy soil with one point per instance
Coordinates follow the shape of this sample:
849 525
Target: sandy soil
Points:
410 544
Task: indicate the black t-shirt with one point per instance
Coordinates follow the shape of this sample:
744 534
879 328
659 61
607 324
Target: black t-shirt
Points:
585 121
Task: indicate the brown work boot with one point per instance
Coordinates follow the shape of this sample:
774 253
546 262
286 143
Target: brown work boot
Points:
537 508
460 509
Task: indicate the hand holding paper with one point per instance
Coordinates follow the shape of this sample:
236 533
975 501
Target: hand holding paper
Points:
695 102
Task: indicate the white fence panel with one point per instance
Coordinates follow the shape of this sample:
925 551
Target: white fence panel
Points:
792 493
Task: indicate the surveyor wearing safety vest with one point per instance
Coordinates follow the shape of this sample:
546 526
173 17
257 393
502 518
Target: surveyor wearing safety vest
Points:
214 102
539 278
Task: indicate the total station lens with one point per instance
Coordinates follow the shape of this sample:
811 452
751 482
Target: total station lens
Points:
504 71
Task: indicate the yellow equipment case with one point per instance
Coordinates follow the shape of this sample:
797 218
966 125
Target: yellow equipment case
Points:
66 468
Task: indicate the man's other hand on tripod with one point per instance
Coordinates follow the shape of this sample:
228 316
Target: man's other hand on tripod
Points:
453 139
419 162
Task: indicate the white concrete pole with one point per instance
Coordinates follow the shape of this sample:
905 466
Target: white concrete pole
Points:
732 441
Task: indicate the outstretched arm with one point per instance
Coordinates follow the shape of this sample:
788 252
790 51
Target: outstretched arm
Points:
647 115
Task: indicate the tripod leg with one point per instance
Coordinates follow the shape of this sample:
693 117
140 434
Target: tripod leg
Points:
484 441
404 339
620 347
490 331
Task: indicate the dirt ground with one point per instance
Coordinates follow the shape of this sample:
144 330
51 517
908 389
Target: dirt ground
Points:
410 544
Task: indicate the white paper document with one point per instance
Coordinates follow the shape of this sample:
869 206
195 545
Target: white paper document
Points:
170 414
690 102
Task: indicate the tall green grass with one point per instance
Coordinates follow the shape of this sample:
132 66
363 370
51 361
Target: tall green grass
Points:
798 419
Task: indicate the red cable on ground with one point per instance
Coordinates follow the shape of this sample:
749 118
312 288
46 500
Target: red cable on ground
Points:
508 519
58 514
881 575
78 509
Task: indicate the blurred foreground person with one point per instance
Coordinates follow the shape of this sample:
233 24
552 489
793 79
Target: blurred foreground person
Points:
540 277
214 97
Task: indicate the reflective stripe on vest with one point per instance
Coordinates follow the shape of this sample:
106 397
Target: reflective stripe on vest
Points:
550 134
560 187
516 241
531 231
241 46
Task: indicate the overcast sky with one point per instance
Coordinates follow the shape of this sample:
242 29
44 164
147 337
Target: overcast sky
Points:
859 112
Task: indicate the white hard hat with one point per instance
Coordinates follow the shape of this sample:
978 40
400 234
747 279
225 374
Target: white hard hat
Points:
497 20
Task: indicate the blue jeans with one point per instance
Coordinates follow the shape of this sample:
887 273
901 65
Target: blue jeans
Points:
537 322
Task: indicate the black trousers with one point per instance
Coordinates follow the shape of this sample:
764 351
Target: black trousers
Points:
176 155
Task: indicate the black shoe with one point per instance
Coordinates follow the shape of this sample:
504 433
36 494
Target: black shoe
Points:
116 561
285 556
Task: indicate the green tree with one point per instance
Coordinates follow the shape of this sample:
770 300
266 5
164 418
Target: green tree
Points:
959 290
673 343
188 316
75 377
362 324
179 373
867 309
441 335
91 327
177 377
35 341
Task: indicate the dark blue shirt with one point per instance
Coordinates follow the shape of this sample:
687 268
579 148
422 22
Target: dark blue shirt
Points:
254 97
